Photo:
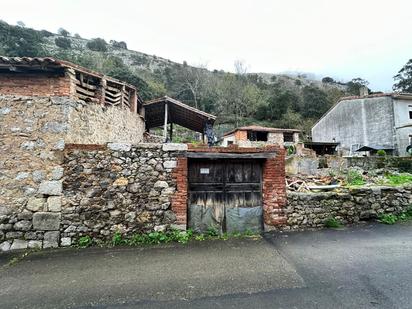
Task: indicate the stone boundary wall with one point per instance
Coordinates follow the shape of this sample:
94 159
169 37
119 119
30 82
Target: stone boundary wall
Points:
123 188
310 210
33 133
314 165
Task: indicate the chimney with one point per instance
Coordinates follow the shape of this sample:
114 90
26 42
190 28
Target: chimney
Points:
363 91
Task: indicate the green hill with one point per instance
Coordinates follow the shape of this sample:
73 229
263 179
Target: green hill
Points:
278 100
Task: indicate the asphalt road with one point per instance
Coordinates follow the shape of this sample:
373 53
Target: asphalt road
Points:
366 266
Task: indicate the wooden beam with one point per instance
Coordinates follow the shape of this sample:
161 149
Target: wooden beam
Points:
171 131
217 155
165 123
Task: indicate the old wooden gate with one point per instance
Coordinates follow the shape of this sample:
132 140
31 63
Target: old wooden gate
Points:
225 195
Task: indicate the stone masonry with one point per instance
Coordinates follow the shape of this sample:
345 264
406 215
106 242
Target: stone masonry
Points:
310 210
33 135
123 188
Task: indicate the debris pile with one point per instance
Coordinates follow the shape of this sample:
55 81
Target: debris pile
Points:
305 183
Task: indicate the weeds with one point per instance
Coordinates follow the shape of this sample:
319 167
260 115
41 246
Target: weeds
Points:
155 238
84 241
355 178
392 218
333 223
398 179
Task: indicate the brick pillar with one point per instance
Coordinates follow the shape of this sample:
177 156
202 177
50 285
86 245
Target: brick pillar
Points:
274 191
179 199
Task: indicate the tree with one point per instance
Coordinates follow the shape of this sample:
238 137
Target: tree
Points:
64 43
315 102
328 80
404 78
354 86
190 82
97 44
21 24
117 44
63 32
20 42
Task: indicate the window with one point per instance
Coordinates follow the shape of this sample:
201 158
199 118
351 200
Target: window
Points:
287 137
257 136
229 143
410 111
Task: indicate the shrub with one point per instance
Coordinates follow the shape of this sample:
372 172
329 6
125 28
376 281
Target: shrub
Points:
117 239
381 153
355 178
97 44
388 218
64 43
85 241
333 223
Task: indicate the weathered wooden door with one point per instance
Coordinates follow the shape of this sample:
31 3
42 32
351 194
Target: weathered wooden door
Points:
225 194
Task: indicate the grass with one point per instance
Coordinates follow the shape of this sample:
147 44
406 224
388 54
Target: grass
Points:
333 223
398 179
155 238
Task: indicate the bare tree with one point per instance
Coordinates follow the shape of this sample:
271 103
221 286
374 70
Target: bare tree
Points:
193 79
241 68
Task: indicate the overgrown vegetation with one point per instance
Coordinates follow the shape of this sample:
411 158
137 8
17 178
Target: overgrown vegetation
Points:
355 178
154 238
333 223
398 179
392 218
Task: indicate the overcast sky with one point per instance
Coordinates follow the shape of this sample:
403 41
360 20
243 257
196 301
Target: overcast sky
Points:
370 39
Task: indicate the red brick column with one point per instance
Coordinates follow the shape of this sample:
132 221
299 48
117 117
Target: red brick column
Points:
274 190
179 199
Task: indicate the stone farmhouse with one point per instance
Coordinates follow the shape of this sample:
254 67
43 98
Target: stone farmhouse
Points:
368 123
250 136
76 160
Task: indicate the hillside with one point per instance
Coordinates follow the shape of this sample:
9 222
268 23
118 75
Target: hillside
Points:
279 100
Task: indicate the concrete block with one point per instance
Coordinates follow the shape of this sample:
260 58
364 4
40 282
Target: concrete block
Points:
169 164
119 146
174 147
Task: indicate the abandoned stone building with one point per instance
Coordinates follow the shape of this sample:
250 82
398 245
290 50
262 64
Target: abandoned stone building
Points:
75 161
368 123
251 136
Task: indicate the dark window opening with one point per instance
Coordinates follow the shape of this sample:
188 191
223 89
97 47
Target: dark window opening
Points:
229 143
410 114
256 136
288 137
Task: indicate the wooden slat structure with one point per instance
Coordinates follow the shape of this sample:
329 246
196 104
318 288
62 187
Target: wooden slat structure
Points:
86 84
165 110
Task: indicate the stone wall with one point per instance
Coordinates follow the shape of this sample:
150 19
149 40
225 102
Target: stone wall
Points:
310 210
97 191
120 188
33 134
